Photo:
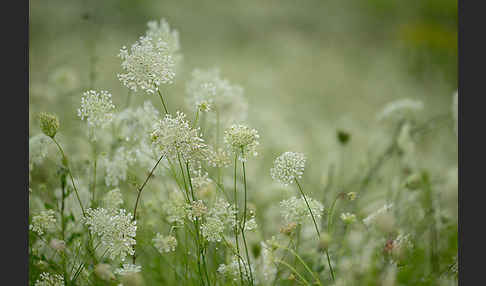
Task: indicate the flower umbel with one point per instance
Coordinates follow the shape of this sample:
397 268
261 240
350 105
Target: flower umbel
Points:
43 222
242 140
164 243
288 167
97 108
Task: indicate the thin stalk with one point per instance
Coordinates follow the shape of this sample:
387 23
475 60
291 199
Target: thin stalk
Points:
244 223
94 179
317 229
292 269
236 221
143 186
66 164
163 103
305 265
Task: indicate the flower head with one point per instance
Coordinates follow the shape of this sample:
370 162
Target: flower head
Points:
164 243
221 217
348 218
116 230
151 60
49 124
288 167
295 210
47 279
175 137
128 269
97 108
44 221
242 140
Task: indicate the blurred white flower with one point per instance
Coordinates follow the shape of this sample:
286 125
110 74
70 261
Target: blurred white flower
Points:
164 243
295 209
242 141
97 108
42 222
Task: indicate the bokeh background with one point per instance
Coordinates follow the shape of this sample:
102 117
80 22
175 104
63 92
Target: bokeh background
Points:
309 68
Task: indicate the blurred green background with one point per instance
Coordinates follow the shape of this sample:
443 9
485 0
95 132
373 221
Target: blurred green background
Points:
309 68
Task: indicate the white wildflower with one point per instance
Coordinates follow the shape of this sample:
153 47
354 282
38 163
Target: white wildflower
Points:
43 222
175 137
288 167
295 209
128 268
133 125
400 108
242 140
115 230
197 209
113 199
47 279
164 243
348 218
116 167
151 60
38 147
231 270
208 92
175 207
372 217
221 217
97 108
218 158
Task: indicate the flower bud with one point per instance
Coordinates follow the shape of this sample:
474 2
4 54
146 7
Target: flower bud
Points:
49 124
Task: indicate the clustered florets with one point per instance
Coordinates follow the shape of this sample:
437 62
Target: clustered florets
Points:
116 230
128 268
295 209
164 243
242 140
219 218
175 137
47 279
97 108
151 60
43 222
288 167
49 124
348 218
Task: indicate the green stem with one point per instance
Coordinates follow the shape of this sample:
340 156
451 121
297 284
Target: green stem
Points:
292 269
162 99
317 229
236 221
66 164
244 224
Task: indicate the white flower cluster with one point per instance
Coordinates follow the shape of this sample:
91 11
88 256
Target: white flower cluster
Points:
288 167
47 279
220 218
128 268
97 108
295 209
242 140
38 147
400 108
231 270
113 199
116 167
218 158
43 222
196 209
207 91
164 243
348 218
200 180
370 218
175 208
133 124
151 60
116 230
175 137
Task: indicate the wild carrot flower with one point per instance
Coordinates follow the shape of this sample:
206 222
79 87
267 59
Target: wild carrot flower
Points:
295 209
208 92
164 243
288 167
38 148
128 268
44 221
47 279
242 140
219 219
116 230
113 199
151 60
175 137
97 108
